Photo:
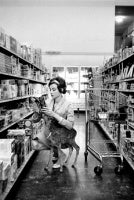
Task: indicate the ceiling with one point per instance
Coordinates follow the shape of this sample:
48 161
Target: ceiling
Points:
123 7
128 12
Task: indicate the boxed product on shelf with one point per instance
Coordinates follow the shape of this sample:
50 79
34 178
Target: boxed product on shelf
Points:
8 158
5 176
6 170
8 117
25 71
14 65
24 51
1 169
2 37
9 89
2 121
6 91
7 81
15 113
13 44
17 134
7 41
13 169
2 62
9 167
27 146
19 49
8 67
127 144
7 146
23 87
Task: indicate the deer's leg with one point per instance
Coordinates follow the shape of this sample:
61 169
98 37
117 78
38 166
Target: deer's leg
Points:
60 158
50 158
77 148
69 156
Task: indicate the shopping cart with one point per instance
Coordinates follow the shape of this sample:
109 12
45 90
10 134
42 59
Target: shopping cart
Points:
99 148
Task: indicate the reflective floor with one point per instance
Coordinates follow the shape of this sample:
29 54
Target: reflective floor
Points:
75 184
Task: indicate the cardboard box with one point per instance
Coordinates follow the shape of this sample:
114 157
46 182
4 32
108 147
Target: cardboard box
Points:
7 146
8 158
13 170
13 44
17 134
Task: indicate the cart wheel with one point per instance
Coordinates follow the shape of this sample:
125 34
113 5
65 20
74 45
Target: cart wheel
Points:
98 170
86 154
118 170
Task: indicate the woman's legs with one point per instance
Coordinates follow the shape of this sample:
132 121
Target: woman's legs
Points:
58 161
55 154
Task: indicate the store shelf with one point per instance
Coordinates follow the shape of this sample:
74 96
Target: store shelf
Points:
107 133
131 125
128 160
10 125
9 52
25 70
14 99
19 171
20 77
127 91
125 59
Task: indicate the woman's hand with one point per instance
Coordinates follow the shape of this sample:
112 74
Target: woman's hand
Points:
48 111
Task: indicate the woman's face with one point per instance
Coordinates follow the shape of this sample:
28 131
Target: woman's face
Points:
54 91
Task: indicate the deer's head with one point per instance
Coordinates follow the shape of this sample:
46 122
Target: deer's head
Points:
37 104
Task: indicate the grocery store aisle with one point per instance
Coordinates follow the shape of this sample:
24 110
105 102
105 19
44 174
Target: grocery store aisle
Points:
75 184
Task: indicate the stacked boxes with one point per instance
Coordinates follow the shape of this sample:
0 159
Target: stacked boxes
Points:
128 147
28 53
8 162
19 136
9 89
22 143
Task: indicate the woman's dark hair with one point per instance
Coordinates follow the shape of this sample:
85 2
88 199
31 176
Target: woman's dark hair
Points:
60 82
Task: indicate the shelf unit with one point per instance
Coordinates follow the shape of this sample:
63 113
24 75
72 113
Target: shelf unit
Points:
4 195
32 76
77 79
119 77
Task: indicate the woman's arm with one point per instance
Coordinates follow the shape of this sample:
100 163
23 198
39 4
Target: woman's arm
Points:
68 122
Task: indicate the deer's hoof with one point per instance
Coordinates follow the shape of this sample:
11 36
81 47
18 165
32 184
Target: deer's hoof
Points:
73 166
61 169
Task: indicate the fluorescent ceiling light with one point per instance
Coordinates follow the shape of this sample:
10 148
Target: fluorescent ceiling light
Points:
119 18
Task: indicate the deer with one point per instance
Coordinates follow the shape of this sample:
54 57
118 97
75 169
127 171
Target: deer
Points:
56 135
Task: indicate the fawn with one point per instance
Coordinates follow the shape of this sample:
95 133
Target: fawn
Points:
56 135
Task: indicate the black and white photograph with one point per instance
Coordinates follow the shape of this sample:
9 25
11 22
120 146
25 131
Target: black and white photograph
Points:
66 99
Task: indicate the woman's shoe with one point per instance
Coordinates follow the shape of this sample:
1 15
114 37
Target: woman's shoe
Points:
56 165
